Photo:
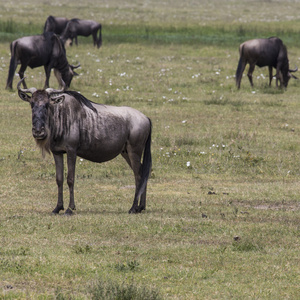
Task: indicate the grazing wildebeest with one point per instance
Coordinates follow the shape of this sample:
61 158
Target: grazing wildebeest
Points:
40 50
55 24
77 27
269 52
67 122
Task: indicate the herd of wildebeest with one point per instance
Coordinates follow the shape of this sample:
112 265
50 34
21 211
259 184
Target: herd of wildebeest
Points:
48 49
64 121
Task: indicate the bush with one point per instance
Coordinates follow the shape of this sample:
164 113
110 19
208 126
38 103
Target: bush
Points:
115 291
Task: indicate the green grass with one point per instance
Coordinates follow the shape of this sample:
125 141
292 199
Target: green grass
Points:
222 218
158 34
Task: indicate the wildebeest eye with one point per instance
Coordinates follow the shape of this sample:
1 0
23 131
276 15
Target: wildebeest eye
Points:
57 99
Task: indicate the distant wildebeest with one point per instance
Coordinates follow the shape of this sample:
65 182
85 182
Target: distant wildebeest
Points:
67 122
269 52
77 27
55 24
40 50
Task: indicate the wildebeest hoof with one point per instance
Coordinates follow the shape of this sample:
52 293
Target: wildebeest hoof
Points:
133 210
136 210
141 208
69 211
57 209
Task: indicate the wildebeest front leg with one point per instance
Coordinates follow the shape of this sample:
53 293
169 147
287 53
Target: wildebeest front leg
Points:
279 77
59 164
71 161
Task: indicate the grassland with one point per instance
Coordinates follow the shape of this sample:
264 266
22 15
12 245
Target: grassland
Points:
222 218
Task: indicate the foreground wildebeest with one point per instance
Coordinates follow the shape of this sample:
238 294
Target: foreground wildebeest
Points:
269 52
77 27
55 24
67 122
40 50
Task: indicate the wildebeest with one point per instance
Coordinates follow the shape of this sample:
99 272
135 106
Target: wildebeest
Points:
77 27
67 122
40 50
269 52
55 24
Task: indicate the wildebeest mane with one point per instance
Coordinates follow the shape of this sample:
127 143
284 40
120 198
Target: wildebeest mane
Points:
82 100
48 34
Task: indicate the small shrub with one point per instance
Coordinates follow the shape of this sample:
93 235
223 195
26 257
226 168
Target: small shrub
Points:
129 266
115 291
59 295
246 245
82 249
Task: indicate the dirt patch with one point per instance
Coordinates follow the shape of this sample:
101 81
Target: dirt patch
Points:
277 207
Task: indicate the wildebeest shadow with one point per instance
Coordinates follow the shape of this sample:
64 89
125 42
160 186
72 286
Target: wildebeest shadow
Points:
272 90
98 212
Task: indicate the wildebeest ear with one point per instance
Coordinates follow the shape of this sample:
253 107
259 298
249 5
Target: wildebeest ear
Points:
57 99
24 96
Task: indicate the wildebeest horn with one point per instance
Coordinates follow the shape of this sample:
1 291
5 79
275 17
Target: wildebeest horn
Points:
31 90
294 70
53 91
75 67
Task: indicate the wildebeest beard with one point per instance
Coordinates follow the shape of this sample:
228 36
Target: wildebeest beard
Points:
44 144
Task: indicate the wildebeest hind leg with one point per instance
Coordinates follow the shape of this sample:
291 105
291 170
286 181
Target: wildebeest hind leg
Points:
21 74
94 33
251 69
134 161
143 200
270 74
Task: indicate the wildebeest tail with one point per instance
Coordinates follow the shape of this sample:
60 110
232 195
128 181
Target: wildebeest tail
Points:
12 65
240 68
146 164
99 41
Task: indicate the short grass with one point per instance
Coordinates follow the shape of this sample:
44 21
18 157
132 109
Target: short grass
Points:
222 218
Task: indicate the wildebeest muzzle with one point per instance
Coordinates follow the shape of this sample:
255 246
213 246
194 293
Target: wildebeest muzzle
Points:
39 114
39 133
